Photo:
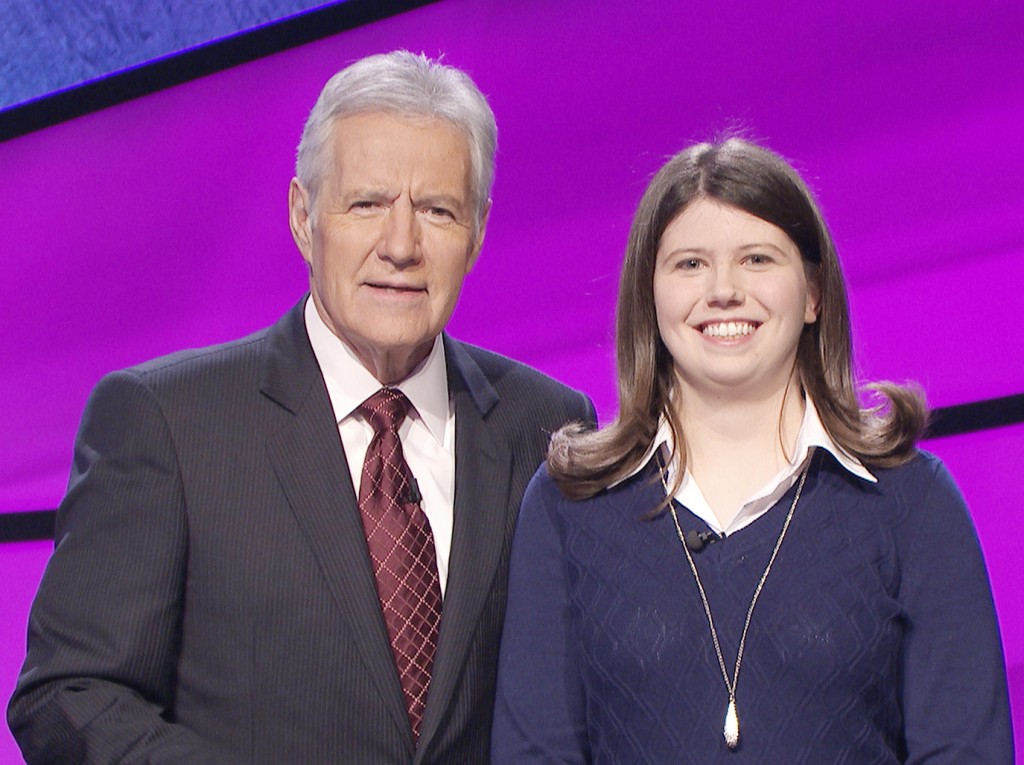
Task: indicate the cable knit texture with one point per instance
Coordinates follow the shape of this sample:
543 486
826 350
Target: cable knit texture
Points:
874 640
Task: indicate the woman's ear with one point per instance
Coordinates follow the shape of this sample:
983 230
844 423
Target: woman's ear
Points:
813 297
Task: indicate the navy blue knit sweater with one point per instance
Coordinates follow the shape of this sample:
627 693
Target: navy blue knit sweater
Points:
874 639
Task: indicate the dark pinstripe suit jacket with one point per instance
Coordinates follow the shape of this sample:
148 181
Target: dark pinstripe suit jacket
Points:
210 599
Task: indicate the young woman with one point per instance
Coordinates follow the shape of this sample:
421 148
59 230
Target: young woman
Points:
746 566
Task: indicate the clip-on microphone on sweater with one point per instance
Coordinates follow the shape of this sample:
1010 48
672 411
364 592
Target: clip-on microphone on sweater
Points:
698 540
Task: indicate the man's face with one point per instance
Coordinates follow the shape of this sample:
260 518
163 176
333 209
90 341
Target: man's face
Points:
393 236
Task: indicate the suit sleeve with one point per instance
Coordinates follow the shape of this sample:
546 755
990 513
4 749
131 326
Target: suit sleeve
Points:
590 414
97 684
539 714
954 691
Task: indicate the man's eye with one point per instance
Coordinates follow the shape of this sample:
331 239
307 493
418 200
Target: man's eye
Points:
367 206
439 212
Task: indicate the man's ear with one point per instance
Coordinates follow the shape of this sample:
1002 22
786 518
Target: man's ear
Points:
300 219
481 230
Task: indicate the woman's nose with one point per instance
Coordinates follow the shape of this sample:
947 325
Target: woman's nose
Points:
724 287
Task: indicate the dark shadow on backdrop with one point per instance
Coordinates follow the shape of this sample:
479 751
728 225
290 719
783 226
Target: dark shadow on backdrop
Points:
196 62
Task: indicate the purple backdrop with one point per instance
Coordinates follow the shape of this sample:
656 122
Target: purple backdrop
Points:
161 223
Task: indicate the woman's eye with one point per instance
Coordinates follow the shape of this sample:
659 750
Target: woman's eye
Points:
688 264
757 259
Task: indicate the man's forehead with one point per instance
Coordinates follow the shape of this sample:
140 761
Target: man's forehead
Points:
380 149
379 124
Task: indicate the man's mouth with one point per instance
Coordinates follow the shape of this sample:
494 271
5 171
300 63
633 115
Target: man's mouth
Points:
729 329
395 287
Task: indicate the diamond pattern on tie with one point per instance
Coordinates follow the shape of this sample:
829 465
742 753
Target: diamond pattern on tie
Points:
401 547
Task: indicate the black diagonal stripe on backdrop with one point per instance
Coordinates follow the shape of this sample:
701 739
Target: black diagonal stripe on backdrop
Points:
28 526
976 415
194 63
947 421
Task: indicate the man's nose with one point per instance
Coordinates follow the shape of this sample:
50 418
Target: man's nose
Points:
399 241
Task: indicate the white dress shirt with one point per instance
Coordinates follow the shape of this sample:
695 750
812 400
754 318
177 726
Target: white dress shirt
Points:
811 435
427 434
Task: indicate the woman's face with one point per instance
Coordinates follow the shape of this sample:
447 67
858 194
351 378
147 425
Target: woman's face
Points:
732 297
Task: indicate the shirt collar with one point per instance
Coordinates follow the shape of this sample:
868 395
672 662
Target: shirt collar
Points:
812 433
349 383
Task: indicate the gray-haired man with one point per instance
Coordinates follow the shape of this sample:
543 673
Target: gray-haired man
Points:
220 592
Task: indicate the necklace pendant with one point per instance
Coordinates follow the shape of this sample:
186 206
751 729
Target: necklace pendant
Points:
732 726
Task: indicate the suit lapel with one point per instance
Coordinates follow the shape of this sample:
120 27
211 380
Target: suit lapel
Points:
483 466
310 464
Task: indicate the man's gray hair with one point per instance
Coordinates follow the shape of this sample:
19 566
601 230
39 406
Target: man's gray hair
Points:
406 85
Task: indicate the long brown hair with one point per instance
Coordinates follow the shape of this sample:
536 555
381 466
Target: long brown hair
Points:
751 178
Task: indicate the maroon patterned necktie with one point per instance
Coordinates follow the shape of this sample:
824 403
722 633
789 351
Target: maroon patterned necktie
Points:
402 551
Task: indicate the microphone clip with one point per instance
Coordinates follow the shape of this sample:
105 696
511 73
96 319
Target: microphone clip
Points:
697 540
413 496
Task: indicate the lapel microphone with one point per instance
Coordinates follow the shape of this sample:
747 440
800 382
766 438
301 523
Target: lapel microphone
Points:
698 540
413 497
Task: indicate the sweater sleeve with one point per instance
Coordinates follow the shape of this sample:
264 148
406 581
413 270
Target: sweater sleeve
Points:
954 691
540 713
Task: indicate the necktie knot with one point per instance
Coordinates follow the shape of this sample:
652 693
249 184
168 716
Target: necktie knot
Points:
386 409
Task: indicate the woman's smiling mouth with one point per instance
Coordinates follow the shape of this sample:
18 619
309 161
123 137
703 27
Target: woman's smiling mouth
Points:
729 329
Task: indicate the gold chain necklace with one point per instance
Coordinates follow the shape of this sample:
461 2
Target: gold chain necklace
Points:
731 730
